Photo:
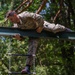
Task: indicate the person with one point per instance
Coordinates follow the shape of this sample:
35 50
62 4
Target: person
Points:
29 20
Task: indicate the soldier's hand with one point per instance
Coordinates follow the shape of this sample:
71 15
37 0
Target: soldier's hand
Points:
39 29
18 37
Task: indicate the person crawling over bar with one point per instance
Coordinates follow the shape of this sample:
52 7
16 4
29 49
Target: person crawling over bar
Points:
29 20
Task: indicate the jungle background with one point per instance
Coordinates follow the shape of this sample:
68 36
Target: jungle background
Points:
54 56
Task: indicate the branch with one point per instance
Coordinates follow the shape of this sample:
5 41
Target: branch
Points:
20 5
61 5
56 15
42 6
27 2
26 6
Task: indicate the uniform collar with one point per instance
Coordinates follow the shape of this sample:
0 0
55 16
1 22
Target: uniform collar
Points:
20 20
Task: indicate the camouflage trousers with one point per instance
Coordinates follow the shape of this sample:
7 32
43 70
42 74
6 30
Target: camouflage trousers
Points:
53 27
33 44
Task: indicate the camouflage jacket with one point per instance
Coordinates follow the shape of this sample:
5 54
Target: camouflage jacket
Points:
30 20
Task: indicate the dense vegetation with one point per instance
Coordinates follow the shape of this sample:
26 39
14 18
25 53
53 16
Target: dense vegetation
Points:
54 56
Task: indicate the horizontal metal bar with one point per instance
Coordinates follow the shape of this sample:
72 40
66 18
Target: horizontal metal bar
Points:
19 54
32 33
8 34
18 73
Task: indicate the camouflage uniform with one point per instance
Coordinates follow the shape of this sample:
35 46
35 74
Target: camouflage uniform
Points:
30 20
33 21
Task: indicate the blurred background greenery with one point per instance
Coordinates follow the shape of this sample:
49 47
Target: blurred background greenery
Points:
54 56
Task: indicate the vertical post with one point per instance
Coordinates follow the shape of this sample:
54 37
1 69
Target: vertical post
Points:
9 52
34 64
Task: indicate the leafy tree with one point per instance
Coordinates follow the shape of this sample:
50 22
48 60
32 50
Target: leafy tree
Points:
54 56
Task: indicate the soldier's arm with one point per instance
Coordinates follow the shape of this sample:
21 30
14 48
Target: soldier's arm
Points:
40 21
39 29
37 19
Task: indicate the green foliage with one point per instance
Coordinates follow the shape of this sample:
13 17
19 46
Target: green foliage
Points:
54 57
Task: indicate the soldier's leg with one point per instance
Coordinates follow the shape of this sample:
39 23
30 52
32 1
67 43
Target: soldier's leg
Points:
33 44
61 28
68 30
55 28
